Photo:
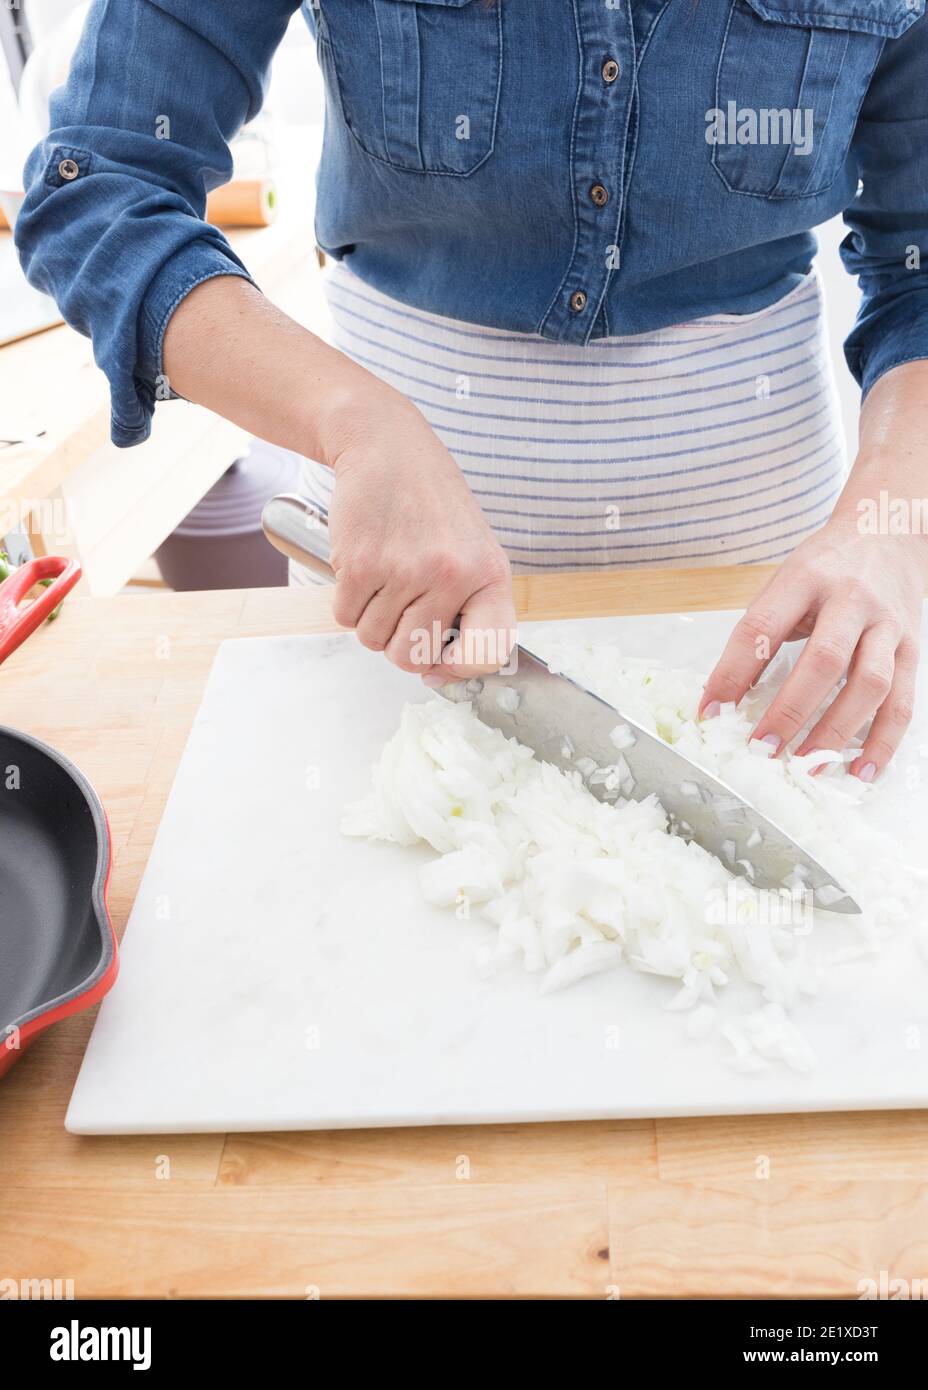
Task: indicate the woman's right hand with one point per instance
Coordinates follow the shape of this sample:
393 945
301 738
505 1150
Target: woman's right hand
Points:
412 551
410 547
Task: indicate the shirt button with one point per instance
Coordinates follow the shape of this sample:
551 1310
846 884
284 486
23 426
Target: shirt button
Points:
599 195
68 169
578 301
611 71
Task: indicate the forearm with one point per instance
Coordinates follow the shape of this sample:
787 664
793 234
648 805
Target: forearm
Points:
230 349
893 455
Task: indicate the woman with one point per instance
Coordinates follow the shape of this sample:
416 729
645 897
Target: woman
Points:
574 293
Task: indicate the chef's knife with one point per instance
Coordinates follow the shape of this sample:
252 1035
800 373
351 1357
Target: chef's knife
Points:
564 723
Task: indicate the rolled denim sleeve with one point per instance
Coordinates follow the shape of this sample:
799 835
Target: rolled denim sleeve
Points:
112 225
887 246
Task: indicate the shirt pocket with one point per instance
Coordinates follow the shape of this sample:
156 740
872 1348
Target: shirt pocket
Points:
417 80
791 79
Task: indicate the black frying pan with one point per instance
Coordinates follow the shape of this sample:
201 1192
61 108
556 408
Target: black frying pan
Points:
57 946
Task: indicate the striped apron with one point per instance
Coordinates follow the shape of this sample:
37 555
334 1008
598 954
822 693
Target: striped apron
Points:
712 442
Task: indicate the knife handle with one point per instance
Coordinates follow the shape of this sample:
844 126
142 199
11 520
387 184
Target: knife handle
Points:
300 530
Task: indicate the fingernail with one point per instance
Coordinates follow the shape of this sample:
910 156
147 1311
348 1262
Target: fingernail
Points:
867 772
434 682
772 741
711 710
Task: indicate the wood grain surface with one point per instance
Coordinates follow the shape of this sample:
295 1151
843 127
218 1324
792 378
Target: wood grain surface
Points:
766 1206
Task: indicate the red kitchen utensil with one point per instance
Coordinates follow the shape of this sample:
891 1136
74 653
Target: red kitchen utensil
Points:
17 620
58 952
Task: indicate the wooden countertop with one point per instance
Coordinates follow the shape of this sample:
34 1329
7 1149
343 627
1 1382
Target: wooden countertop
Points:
666 1208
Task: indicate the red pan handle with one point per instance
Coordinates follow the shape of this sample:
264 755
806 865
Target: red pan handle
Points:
17 623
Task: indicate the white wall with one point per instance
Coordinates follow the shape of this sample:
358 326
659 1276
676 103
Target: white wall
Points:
296 92
842 297
43 15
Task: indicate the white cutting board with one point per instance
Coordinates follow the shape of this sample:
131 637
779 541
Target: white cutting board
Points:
276 975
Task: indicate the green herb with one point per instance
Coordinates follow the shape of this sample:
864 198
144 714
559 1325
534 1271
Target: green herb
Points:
7 568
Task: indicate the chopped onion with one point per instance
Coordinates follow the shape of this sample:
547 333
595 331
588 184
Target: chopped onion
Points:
622 736
829 894
508 699
575 884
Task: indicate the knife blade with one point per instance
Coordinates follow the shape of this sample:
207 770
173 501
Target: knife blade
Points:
544 706
563 722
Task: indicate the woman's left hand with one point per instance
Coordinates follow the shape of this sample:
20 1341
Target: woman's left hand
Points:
857 598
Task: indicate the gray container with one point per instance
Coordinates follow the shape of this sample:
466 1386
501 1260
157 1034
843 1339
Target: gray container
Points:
220 544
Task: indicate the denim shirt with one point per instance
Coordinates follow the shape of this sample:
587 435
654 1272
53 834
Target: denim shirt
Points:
568 168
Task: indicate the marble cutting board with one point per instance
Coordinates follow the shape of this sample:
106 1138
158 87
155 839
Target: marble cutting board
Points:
276 975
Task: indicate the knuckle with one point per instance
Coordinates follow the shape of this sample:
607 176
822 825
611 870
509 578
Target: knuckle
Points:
908 652
725 686
365 572
758 624
399 653
881 749
828 657
496 568
785 713
343 559
875 681
404 574
830 734
446 569
901 712
343 610
860 594
356 574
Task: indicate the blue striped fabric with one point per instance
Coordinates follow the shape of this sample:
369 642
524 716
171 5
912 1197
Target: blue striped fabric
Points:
712 442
